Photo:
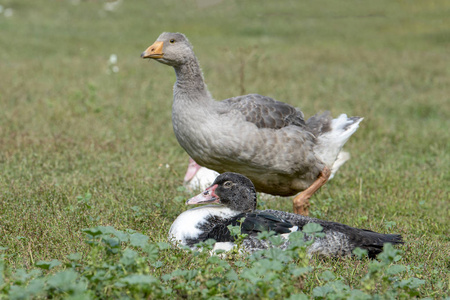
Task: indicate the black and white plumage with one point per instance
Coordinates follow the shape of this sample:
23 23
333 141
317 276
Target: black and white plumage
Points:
266 140
235 198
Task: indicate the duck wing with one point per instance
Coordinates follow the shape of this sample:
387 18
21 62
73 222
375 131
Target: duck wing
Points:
264 112
252 224
259 222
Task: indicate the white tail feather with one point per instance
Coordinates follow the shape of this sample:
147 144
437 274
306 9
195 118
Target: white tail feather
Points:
343 156
330 143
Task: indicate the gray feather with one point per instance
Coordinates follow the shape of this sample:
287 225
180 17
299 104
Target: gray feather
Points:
265 112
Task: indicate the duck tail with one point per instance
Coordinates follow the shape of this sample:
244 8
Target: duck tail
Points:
393 238
330 142
374 242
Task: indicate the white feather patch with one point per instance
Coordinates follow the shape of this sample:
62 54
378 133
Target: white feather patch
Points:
293 229
201 180
330 144
186 225
343 156
226 246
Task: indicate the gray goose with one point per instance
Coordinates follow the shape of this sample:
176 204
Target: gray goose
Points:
266 140
198 177
234 198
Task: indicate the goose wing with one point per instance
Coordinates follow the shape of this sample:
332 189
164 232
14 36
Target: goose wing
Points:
264 112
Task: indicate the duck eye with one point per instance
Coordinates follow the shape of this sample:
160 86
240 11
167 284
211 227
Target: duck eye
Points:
172 41
227 184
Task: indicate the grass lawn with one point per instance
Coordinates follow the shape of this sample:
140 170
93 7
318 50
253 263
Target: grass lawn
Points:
86 141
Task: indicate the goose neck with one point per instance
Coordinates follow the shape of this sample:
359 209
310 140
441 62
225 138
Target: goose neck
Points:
190 78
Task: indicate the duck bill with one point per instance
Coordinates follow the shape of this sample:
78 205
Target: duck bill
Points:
192 169
207 196
154 51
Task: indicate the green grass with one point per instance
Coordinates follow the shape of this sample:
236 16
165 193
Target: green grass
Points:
70 127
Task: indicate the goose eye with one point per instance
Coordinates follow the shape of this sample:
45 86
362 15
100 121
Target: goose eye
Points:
227 184
172 41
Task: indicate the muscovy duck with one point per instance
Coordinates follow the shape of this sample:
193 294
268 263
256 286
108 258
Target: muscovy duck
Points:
234 196
266 140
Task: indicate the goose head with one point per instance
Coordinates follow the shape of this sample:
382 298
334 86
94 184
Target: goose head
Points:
232 190
172 49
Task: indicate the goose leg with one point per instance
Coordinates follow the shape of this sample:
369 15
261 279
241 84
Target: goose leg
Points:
301 201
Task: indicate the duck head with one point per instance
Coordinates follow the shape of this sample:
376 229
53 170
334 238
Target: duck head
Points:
232 190
172 49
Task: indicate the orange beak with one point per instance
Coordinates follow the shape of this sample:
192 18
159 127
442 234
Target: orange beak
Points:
154 51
